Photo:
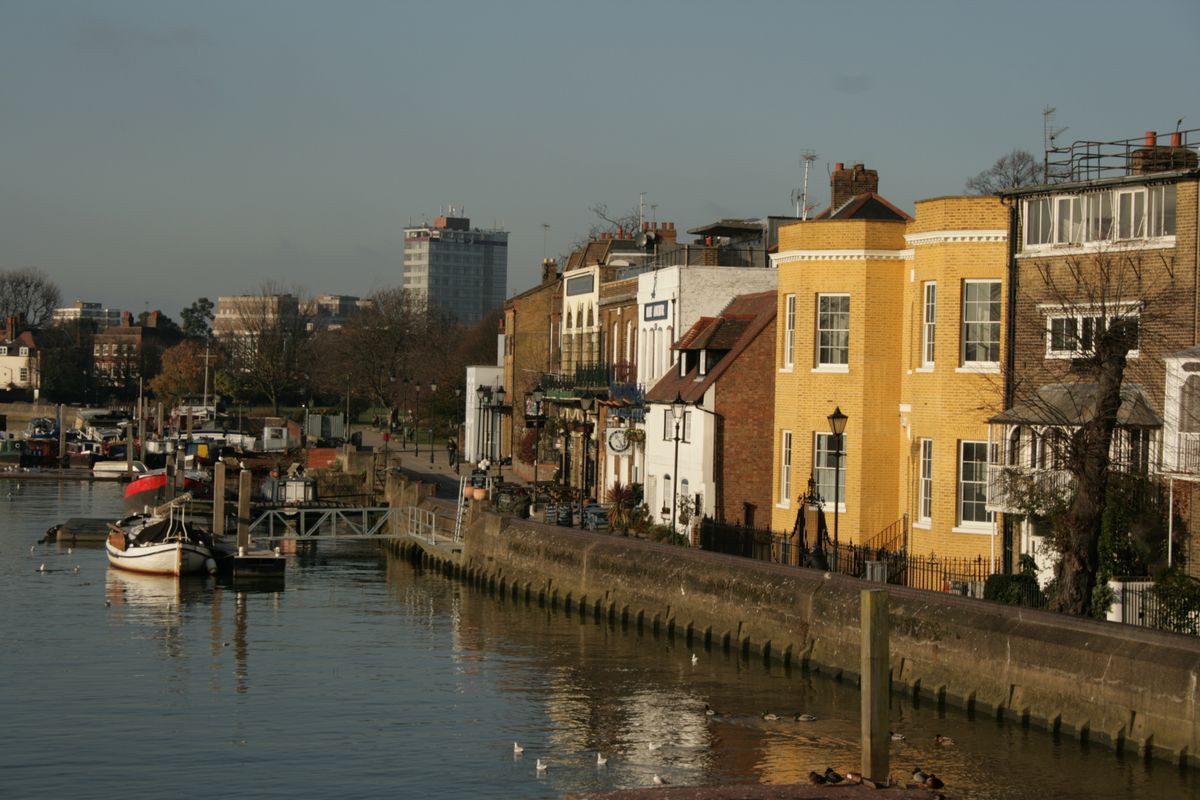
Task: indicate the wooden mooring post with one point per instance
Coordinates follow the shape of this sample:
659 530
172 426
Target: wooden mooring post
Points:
876 684
243 529
218 502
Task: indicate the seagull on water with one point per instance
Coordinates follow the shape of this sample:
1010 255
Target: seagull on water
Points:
652 746
769 717
804 718
542 766
695 659
658 781
517 749
896 737
42 568
601 761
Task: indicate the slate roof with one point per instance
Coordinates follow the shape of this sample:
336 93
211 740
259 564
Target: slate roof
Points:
1071 404
739 323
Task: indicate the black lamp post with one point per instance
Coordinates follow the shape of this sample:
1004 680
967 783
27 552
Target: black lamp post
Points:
416 420
498 427
837 425
537 395
432 389
586 404
678 410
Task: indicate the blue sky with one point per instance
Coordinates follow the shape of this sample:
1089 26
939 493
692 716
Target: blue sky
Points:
158 151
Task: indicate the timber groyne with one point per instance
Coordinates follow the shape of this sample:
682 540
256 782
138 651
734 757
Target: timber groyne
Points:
1131 689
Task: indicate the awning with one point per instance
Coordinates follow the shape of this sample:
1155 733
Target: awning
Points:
1072 404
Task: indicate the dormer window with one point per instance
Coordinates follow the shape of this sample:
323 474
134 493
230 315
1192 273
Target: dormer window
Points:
3 351
703 362
24 351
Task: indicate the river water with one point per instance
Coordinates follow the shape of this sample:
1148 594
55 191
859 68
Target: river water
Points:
364 677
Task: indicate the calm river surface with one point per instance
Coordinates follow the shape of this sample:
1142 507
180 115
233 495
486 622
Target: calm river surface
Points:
365 677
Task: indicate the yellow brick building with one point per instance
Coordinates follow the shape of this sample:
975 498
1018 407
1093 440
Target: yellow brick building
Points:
871 321
951 380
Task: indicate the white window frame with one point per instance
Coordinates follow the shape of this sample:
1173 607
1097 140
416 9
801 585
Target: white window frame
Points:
964 525
1149 215
928 325
832 366
785 469
1082 317
4 350
1039 219
1135 226
1068 208
789 337
24 351
972 365
925 484
821 447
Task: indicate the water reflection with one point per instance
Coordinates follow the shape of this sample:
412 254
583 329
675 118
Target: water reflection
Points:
610 689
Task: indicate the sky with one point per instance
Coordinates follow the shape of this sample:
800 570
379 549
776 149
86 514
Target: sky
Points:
158 151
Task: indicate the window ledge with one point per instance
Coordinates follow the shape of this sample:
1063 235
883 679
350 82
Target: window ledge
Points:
784 504
988 531
924 526
923 369
983 369
835 369
787 370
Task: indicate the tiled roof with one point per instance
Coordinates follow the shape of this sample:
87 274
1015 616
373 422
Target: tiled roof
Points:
737 326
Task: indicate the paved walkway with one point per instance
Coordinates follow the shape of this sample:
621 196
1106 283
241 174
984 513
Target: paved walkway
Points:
415 462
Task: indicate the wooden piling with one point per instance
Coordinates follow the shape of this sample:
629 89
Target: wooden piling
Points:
876 684
243 530
218 505
129 450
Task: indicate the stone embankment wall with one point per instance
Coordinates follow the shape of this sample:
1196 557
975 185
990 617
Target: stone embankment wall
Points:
1131 688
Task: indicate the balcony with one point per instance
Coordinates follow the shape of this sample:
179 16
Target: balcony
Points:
586 379
1186 458
1019 490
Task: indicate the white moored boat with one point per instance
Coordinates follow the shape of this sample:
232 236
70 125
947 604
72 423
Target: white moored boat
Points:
162 542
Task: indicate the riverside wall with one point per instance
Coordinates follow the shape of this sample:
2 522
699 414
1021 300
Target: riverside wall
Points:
1133 689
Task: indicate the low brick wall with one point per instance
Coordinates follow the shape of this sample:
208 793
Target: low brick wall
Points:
1130 688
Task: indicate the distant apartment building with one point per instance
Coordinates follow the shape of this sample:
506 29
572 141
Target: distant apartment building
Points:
244 315
457 268
330 312
93 312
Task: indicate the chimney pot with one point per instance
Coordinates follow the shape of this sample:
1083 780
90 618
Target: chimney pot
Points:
645 226
1177 139
1151 138
838 167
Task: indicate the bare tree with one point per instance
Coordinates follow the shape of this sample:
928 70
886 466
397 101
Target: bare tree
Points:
1067 417
267 343
609 222
1013 170
29 294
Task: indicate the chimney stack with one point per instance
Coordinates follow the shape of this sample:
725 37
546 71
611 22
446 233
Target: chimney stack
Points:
549 270
845 184
126 319
12 329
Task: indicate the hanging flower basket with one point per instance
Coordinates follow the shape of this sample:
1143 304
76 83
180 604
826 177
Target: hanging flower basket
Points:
635 435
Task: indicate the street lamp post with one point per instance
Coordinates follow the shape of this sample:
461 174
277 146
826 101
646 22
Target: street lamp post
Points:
678 410
432 389
586 404
416 421
537 395
837 425
497 428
